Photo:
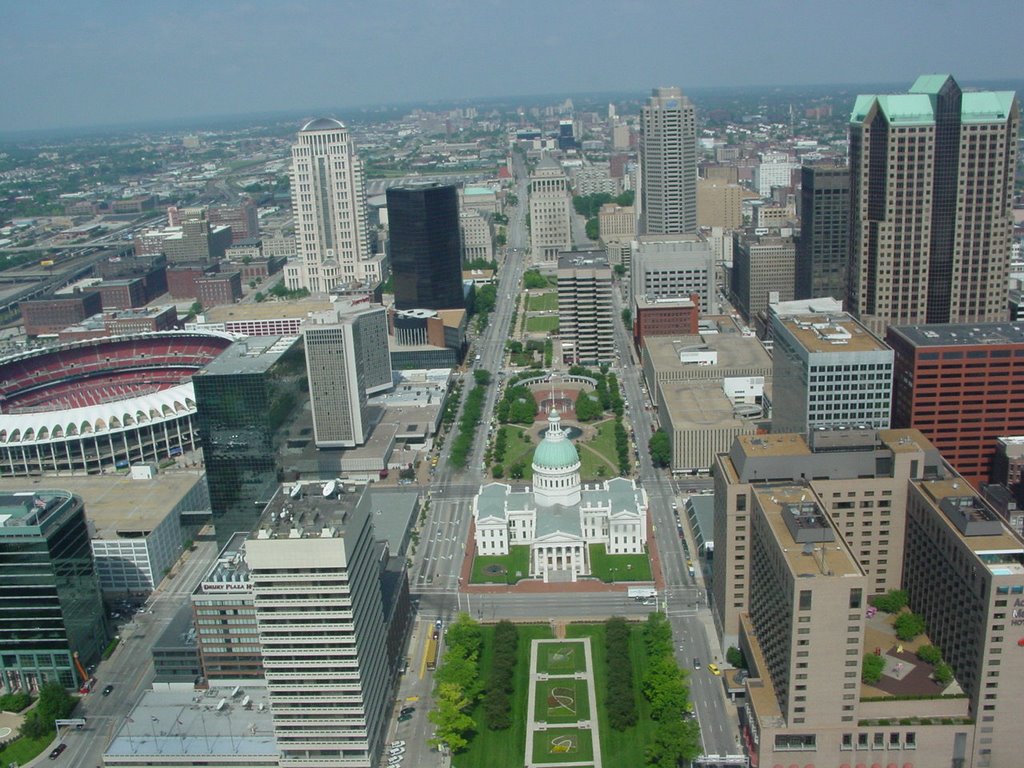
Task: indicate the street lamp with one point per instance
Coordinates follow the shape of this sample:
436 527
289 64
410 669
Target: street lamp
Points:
613 570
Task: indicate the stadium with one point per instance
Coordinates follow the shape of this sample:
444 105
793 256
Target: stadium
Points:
100 405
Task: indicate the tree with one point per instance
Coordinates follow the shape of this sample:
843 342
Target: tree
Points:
465 633
532 278
498 471
196 308
482 377
943 674
453 724
486 297
871 670
627 319
664 688
461 670
675 742
660 448
893 601
54 704
929 654
593 229
619 269
909 625
735 657
517 471
587 408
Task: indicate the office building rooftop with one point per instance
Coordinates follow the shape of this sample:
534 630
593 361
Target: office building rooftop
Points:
252 355
831 333
961 334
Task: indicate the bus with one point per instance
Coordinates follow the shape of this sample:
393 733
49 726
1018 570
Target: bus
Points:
432 652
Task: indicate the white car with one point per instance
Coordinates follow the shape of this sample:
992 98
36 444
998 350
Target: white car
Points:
396 751
394 744
395 760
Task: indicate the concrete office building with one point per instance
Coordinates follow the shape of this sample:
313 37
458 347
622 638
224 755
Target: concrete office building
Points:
719 204
963 387
931 189
586 325
774 170
346 359
673 267
243 398
50 602
828 371
329 204
477 236
550 212
616 222
761 265
316 579
806 530
668 164
822 250
426 265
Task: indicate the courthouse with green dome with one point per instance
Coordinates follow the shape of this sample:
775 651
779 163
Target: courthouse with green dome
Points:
558 518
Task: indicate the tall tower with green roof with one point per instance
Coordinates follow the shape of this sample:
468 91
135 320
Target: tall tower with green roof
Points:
932 174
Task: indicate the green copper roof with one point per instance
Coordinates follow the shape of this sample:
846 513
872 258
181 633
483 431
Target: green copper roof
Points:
986 106
930 84
555 454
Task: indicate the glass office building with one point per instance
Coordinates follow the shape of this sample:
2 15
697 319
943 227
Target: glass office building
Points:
243 399
50 601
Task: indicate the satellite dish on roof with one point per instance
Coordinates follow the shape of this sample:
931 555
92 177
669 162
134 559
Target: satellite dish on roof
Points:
330 488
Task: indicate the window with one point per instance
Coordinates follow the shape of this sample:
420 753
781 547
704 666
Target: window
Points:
805 600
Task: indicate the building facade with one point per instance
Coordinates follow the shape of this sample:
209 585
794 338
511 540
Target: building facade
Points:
51 314
931 189
674 267
616 222
585 321
719 204
477 236
550 212
332 236
668 164
761 265
426 264
346 359
962 386
823 248
51 609
828 371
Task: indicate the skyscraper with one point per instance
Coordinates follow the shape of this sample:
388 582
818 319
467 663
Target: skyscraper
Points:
329 204
346 358
668 164
931 183
423 222
822 251
550 212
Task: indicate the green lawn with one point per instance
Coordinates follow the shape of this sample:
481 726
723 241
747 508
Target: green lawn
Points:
561 701
627 567
503 749
21 751
577 743
542 302
518 450
619 747
603 444
552 658
542 324
517 560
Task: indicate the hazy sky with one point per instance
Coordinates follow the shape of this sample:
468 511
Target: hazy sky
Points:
85 62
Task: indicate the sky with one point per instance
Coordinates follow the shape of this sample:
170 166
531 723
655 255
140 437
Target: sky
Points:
88 62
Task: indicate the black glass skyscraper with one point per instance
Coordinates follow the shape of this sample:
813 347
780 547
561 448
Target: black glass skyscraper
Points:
425 249
821 254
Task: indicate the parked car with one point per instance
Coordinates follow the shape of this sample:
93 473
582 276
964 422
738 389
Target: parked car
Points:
403 718
397 760
396 751
397 744
407 710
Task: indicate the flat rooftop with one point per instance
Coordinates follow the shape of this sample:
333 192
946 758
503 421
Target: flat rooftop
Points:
197 726
831 333
115 504
975 523
254 354
700 404
316 509
828 556
957 334
230 568
267 310
777 444
736 352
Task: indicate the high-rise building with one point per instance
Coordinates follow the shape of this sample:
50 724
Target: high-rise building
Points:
668 164
426 265
316 575
616 222
828 371
585 308
329 205
346 359
931 182
761 265
550 212
51 608
242 400
774 170
807 530
963 387
719 204
673 267
823 248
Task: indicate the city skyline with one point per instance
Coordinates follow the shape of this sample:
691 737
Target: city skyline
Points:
80 67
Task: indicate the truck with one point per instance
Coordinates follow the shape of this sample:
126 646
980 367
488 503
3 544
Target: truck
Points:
642 593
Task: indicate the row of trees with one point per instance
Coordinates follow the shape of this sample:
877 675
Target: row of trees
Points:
660 448
622 446
457 685
501 680
472 411
518 406
621 696
664 686
533 279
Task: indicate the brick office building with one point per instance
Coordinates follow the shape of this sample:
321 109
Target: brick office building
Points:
665 317
51 314
962 386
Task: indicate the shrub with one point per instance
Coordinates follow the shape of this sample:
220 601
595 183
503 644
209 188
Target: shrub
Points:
14 702
497 471
930 654
871 671
621 696
893 601
943 673
735 657
909 625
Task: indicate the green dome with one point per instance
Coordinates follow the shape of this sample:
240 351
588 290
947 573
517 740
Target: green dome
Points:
555 451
